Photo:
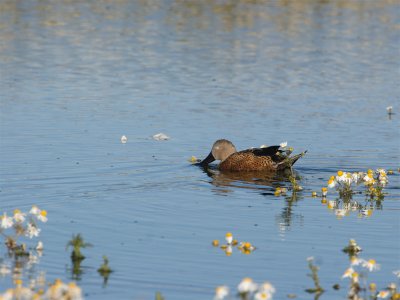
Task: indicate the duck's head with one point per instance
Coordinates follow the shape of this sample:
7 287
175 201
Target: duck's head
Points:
220 151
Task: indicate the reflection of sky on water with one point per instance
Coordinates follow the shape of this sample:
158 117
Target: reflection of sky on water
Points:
75 76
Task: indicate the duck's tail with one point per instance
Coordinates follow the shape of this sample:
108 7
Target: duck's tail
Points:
289 162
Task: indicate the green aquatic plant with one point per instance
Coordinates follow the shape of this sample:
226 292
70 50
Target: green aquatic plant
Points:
295 185
159 296
104 268
352 248
77 243
314 275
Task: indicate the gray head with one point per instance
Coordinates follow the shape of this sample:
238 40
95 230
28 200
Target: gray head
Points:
220 151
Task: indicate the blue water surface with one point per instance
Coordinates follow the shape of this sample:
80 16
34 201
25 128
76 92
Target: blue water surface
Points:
77 75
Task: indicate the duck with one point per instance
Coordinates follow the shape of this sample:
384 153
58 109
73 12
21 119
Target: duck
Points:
269 159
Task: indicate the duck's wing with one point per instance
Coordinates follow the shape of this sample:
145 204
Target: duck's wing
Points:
267 151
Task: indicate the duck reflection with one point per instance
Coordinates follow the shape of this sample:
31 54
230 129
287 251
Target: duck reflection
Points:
263 182
287 217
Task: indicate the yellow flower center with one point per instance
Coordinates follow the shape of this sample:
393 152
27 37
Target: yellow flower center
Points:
215 243
247 245
16 211
18 282
372 261
324 189
43 213
229 234
340 173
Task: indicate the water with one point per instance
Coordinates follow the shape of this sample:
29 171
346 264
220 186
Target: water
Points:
77 75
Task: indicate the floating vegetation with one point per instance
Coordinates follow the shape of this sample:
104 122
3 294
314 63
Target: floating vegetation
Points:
317 289
124 139
21 225
77 243
296 187
161 137
194 160
371 184
159 296
352 248
280 191
105 270
244 247
77 257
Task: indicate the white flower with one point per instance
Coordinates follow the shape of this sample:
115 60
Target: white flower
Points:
221 292
4 270
263 146
381 171
6 222
229 238
160 137
228 250
32 230
340 212
356 177
262 296
355 261
39 246
332 204
383 294
267 287
56 290
34 210
124 139
397 273
19 217
32 259
366 212
74 292
389 109
42 216
283 144
331 183
348 273
371 265
355 278
247 285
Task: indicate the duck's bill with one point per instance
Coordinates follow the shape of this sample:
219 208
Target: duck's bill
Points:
209 159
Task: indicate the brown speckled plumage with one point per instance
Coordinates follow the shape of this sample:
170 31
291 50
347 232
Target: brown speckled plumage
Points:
256 159
247 161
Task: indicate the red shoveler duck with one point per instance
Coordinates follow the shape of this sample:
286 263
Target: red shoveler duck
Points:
255 159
